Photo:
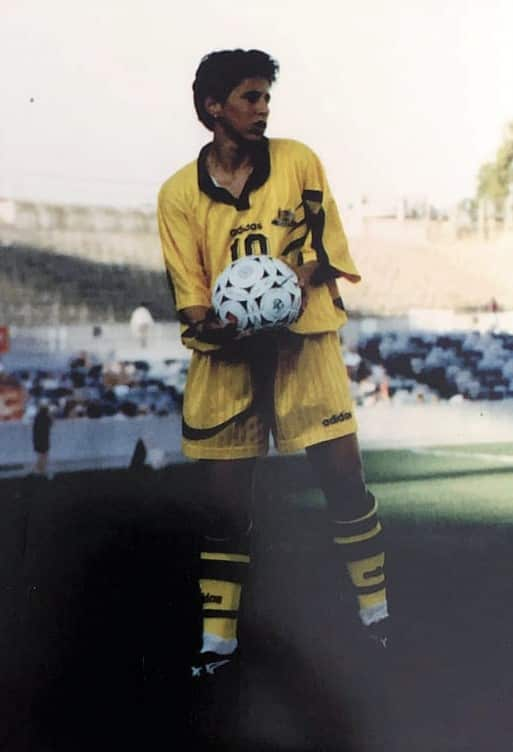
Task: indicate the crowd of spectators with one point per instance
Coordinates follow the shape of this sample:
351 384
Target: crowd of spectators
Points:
90 389
427 366
396 366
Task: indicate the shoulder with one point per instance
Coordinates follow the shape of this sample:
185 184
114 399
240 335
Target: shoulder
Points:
288 148
181 187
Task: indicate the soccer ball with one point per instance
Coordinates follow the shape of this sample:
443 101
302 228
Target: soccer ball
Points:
261 292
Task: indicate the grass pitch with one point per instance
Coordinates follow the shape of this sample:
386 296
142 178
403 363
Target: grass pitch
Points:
436 485
98 569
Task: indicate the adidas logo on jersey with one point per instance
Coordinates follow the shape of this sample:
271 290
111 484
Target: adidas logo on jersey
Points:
209 598
245 228
337 418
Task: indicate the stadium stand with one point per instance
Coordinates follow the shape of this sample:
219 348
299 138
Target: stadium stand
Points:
40 286
90 389
471 365
402 366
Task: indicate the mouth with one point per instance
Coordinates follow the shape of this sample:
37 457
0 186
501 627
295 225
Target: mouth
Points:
258 129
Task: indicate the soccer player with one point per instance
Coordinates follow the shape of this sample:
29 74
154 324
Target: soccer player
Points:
246 194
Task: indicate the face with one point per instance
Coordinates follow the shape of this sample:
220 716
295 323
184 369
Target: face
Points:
244 114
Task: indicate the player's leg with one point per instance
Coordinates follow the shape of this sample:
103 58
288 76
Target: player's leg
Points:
314 410
223 429
356 529
225 556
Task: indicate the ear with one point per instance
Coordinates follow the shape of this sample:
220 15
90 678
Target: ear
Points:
213 107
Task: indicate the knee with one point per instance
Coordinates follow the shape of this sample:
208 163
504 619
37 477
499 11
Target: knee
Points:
225 522
225 503
352 499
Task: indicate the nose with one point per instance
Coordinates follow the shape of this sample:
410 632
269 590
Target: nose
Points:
263 107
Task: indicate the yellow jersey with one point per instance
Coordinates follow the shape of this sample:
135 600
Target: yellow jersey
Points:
285 210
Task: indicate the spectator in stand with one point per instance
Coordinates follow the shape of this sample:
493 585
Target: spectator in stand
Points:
141 322
41 438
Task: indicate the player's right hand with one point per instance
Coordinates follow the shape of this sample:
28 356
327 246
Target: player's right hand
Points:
214 331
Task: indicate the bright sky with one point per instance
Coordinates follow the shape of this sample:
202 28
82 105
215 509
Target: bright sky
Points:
404 97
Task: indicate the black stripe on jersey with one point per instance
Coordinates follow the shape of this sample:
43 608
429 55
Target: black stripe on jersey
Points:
197 434
297 224
311 195
363 549
316 222
339 303
370 589
217 613
224 571
358 527
294 245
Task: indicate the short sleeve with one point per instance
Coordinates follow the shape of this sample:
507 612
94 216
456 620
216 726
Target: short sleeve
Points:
182 255
327 242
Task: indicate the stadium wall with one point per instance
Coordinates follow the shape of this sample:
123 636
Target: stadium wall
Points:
101 234
81 443
119 235
78 263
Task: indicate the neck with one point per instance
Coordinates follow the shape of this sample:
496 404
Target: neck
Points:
229 151
229 155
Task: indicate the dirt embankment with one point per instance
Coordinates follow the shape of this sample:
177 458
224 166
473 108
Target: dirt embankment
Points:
400 274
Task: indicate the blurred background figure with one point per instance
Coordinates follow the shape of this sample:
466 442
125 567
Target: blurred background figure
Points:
139 455
41 438
141 323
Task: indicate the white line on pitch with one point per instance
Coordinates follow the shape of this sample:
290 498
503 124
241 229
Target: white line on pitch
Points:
505 458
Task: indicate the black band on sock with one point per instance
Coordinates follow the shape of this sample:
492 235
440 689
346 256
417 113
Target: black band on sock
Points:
369 589
228 571
217 613
357 527
362 549
236 545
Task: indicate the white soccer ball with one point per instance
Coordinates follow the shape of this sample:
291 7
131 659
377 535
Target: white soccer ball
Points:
259 291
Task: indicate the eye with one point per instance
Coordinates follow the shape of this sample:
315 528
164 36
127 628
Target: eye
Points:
252 96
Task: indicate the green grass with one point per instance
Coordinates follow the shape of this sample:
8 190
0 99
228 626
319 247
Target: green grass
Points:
485 448
485 499
450 485
437 462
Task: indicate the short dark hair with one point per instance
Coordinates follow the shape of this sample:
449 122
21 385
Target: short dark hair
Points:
220 72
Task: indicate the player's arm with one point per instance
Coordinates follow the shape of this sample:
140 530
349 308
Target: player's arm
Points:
327 243
187 278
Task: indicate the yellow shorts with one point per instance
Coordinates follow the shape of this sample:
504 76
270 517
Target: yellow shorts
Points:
293 386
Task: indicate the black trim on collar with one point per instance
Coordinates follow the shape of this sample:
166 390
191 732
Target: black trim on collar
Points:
261 170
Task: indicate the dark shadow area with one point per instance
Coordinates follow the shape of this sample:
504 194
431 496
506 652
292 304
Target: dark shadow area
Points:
38 278
100 614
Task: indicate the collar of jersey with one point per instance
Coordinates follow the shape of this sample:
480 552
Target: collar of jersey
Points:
261 170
